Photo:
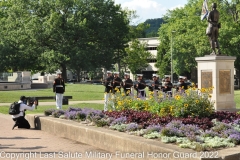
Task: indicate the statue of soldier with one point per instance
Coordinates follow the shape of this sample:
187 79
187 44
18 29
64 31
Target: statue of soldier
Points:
212 29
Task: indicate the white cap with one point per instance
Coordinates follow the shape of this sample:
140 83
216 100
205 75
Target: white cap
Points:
116 72
109 72
154 75
126 74
181 77
139 75
167 76
59 72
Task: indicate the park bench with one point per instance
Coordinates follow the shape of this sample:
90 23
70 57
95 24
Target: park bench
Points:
65 98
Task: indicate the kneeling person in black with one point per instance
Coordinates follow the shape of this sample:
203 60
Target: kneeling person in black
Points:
19 119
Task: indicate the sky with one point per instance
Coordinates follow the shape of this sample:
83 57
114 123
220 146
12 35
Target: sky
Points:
150 9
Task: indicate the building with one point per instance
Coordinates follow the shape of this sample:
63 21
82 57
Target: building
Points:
152 44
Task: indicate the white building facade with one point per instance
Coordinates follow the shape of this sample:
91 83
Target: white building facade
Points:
152 44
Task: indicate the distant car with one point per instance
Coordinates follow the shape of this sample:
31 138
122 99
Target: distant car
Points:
71 80
97 82
175 84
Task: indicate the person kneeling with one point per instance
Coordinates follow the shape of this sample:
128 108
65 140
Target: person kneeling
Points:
19 119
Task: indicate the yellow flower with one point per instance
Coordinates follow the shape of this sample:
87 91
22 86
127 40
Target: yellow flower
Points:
185 105
177 97
197 101
203 90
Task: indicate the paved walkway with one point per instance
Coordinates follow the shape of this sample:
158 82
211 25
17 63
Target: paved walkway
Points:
23 144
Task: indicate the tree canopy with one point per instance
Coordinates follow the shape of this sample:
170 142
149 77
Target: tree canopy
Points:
185 32
44 35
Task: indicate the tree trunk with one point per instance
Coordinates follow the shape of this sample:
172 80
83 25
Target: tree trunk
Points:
78 75
64 72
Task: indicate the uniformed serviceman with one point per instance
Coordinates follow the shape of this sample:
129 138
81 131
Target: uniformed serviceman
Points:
167 87
59 89
117 81
155 84
182 86
127 84
140 87
108 83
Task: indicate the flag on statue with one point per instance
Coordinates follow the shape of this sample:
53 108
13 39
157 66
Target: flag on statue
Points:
204 10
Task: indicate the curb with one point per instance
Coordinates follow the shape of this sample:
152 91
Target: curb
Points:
124 145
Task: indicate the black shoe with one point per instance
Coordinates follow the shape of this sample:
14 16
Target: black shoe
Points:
14 126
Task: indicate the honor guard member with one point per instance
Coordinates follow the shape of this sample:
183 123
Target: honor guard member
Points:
127 84
140 87
167 87
155 84
108 83
182 86
117 81
59 89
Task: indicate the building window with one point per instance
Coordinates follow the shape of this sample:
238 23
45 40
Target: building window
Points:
151 48
152 60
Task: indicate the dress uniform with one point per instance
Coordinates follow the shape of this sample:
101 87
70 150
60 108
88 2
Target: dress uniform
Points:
182 86
155 85
167 87
127 84
108 83
59 89
140 87
117 81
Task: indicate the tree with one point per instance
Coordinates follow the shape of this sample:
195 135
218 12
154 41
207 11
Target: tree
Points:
137 56
18 51
78 35
190 41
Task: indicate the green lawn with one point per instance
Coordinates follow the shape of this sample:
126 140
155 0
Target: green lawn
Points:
80 92
41 109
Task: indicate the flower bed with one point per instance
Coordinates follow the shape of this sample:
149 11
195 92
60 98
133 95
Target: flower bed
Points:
221 129
186 119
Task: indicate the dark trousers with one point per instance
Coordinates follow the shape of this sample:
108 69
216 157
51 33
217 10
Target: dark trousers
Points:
21 122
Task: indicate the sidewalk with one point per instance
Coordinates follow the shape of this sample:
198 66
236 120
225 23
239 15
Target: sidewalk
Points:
54 103
22 144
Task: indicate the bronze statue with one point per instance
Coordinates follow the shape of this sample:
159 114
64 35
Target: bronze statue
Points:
212 29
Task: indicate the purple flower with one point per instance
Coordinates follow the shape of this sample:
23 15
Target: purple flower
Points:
73 109
153 128
237 122
132 127
235 138
210 133
187 129
58 113
71 114
174 123
119 120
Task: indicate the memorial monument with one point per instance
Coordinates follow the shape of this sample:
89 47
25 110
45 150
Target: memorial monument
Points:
217 70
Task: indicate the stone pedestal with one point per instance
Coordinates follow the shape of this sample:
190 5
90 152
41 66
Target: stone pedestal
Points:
218 72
